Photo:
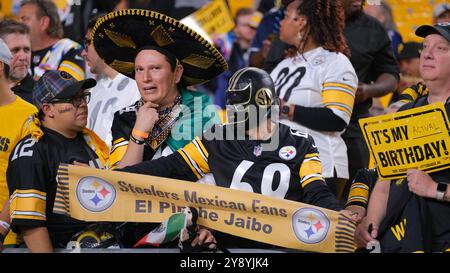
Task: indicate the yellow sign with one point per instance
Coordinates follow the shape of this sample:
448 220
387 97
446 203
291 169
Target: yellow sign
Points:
236 5
214 18
100 195
413 139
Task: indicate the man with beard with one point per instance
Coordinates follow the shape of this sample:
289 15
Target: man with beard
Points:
50 51
17 38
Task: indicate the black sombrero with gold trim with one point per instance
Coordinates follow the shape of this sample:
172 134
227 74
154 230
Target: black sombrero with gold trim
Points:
119 35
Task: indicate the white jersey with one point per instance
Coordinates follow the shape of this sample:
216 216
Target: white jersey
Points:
108 97
320 78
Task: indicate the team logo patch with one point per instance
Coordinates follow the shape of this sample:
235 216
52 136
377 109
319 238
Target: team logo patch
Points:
287 152
319 60
310 225
95 194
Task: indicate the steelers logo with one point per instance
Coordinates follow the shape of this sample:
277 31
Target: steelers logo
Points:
287 152
95 194
310 225
263 97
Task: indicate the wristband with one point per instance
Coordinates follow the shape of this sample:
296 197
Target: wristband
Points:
138 133
137 141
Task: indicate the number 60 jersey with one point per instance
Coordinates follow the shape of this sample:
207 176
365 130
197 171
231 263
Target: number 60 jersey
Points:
292 171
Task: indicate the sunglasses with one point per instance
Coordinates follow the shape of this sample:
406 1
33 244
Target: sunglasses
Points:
75 101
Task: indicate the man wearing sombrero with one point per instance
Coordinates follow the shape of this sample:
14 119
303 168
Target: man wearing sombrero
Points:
164 56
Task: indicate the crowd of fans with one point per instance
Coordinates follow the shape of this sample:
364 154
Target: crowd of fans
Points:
69 96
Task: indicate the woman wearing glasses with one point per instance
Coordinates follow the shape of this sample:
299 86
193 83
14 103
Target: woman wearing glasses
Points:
57 135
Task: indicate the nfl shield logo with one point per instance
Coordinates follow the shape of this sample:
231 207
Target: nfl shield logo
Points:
257 150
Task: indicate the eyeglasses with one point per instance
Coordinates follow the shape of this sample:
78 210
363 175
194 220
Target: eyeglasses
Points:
86 43
75 101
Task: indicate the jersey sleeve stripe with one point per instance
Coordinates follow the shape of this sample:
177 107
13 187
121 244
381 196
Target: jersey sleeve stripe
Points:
24 215
200 150
196 155
73 69
339 89
338 97
189 162
24 193
116 155
118 145
200 144
356 199
312 155
340 107
32 203
312 158
339 84
118 140
360 185
310 180
310 167
310 171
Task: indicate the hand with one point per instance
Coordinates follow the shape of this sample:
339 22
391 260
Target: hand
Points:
362 93
146 118
362 235
356 213
204 236
354 216
290 114
421 183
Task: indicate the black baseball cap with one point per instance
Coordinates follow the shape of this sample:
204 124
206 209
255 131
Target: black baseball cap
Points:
409 50
442 29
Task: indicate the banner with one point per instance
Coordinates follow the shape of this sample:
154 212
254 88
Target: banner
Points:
101 195
214 19
413 139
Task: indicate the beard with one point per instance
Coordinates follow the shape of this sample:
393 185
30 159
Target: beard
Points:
16 75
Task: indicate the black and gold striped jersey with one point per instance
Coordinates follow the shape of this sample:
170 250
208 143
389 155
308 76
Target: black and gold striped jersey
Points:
290 171
32 183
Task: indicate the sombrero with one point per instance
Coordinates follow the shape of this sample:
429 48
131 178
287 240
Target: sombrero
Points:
119 35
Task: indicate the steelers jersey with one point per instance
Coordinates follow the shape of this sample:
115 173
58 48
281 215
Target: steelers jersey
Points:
33 191
320 78
122 126
292 171
13 119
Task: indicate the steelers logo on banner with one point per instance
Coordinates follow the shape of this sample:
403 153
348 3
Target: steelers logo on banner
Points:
287 152
95 194
310 225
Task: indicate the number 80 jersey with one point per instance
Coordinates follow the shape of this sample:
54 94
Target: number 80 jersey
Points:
322 79
291 171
